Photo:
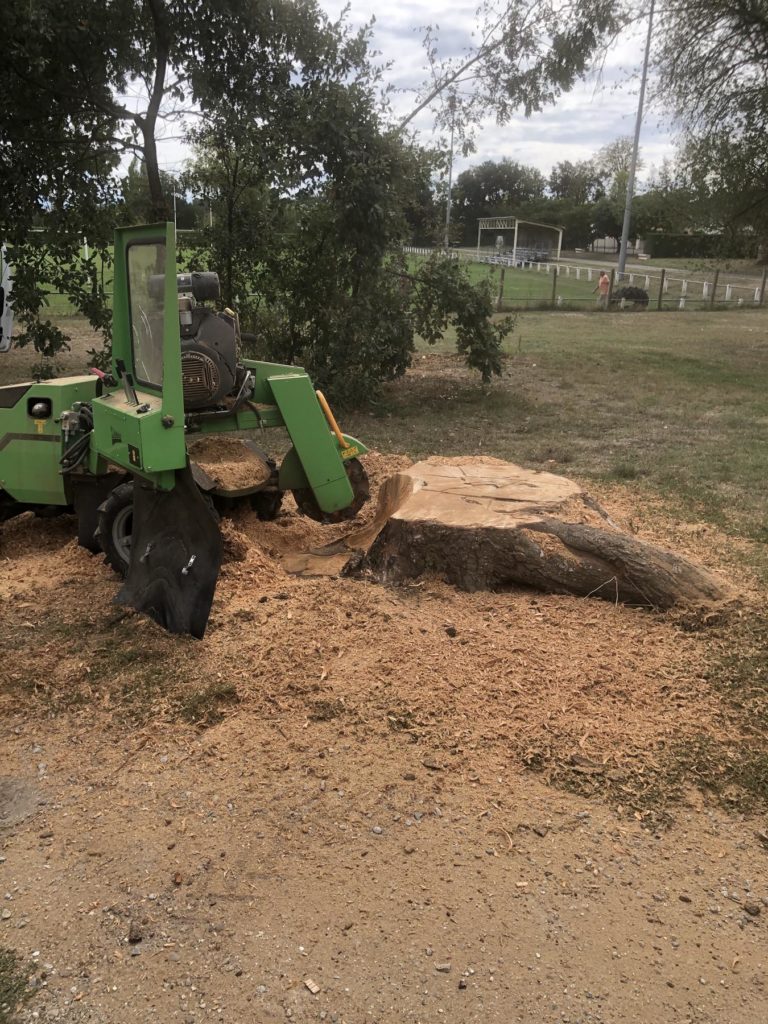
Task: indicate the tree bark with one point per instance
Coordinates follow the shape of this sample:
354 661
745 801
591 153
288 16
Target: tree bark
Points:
483 524
148 122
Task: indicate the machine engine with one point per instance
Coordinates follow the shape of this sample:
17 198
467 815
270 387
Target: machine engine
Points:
209 341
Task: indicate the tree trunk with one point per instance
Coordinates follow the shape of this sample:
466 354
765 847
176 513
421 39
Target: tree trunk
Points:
483 524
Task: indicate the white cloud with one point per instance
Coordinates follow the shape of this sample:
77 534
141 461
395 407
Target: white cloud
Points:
595 112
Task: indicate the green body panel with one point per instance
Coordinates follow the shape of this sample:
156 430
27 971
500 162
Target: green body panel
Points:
313 441
30 449
149 443
262 372
292 473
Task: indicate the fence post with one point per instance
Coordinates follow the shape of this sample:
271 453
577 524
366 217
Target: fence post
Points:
554 285
714 288
762 285
500 299
661 287
610 288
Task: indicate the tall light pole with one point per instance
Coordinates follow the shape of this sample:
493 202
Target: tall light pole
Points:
636 146
452 108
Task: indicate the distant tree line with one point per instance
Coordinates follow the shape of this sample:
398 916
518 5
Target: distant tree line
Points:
682 208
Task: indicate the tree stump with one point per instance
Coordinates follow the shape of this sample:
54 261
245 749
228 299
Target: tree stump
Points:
484 524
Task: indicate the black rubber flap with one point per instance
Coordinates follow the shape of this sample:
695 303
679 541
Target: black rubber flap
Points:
175 556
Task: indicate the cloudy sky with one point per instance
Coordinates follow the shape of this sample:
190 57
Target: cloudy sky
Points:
595 112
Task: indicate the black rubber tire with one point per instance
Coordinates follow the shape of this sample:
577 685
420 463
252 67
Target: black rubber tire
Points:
361 488
113 533
266 504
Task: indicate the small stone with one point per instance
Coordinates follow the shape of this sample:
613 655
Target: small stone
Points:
409 849
377 830
5 914
451 631
443 968
684 898
462 983
313 987
753 909
540 830
409 777
135 933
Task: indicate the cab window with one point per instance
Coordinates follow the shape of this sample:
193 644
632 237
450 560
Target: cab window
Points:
146 292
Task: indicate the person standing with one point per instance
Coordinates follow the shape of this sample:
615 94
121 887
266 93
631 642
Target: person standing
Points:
602 288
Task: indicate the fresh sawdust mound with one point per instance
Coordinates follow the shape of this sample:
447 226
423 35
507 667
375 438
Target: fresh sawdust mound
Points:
477 682
229 461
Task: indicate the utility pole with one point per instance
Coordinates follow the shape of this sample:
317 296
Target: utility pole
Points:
633 164
452 108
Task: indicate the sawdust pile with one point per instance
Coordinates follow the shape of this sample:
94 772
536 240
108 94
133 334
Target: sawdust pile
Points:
480 681
229 462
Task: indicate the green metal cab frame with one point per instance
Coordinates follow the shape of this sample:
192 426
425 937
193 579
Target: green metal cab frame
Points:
146 436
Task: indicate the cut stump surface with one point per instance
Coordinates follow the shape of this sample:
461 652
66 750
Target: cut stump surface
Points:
484 524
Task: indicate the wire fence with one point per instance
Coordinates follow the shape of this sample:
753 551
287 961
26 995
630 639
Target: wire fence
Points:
531 283
521 282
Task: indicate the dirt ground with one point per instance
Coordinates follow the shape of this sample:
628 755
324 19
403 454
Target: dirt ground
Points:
353 803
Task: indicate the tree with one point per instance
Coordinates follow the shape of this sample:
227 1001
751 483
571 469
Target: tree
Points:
607 218
528 52
727 183
337 235
712 59
64 127
494 188
293 144
712 56
580 183
613 162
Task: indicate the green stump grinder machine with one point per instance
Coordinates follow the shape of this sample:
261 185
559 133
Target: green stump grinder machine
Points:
118 450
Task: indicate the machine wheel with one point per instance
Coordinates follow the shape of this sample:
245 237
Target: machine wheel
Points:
266 504
358 478
115 527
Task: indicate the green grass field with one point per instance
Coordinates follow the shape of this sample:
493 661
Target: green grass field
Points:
535 287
